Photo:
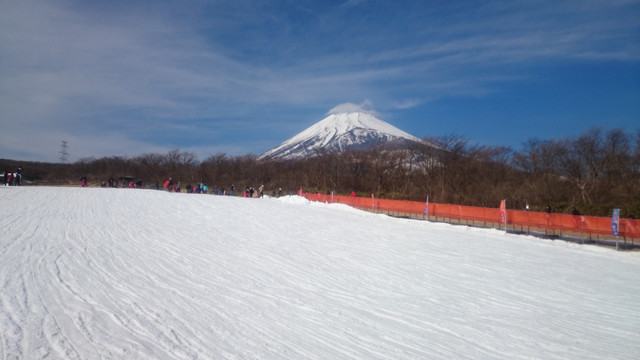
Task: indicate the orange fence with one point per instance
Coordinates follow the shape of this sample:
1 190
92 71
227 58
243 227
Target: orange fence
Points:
591 225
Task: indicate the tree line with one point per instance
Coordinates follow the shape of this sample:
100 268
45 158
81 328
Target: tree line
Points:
595 172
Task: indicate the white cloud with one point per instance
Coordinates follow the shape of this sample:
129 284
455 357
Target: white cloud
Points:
365 107
407 103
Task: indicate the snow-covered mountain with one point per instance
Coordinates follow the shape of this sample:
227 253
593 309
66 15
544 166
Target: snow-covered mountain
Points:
339 132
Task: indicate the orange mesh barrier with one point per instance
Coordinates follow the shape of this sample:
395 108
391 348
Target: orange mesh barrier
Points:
562 222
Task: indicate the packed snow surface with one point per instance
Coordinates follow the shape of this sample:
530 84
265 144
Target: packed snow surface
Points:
89 273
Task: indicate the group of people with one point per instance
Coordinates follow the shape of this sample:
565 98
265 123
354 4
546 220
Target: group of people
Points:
12 178
221 190
200 188
112 183
203 188
168 185
171 186
250 191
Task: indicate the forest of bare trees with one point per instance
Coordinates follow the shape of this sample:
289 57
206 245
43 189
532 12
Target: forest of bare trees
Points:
595 172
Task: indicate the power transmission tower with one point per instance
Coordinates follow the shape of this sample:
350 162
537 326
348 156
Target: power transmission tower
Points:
64 154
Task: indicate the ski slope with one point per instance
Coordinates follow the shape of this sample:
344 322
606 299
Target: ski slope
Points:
90 273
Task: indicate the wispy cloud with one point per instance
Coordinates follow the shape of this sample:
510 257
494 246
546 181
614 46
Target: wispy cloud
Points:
351 3
365 107
407 103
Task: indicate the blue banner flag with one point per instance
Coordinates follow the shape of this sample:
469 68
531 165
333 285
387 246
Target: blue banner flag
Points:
615 220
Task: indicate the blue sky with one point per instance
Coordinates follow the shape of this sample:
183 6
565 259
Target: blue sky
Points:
123 78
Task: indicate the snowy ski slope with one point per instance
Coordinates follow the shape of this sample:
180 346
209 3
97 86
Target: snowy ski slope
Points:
89 273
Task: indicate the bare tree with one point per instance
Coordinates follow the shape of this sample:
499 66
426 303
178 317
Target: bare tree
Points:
583 163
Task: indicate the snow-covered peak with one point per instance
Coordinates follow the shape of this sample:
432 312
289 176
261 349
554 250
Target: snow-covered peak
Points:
346 122
337 132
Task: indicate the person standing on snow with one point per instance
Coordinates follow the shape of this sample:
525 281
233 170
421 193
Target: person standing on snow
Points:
18 176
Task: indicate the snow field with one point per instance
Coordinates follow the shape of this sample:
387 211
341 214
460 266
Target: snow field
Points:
120 273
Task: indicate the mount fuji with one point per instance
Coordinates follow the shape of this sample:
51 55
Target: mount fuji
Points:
340 132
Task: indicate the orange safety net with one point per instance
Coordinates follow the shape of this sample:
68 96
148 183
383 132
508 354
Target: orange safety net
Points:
628 228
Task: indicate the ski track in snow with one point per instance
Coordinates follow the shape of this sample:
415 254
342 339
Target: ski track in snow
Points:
137 274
